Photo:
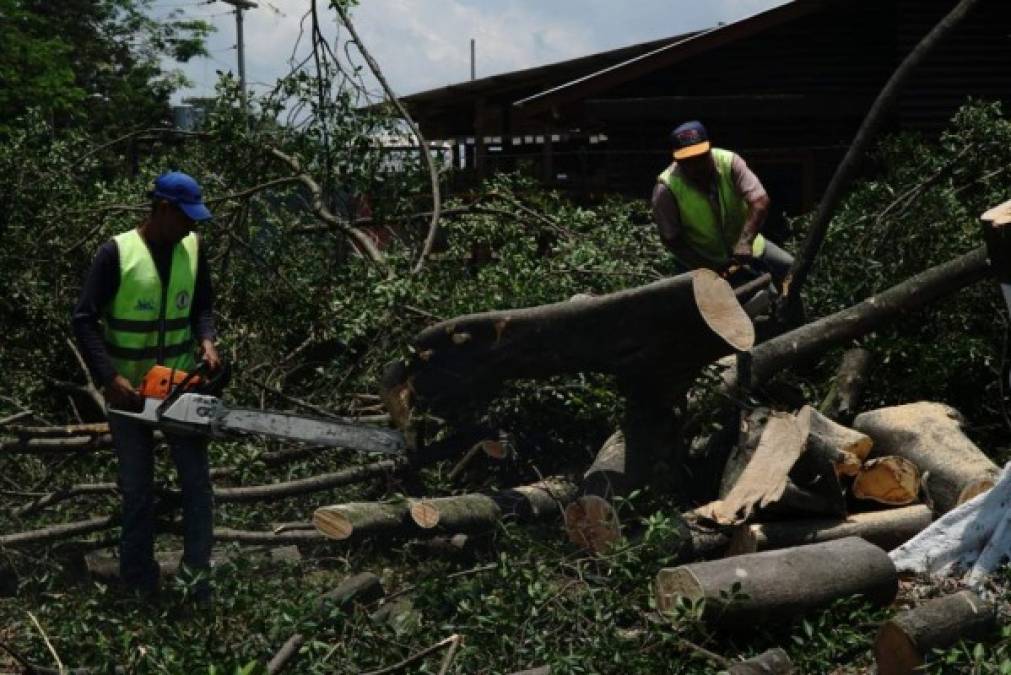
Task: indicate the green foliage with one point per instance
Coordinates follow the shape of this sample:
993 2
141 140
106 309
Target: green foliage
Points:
85 62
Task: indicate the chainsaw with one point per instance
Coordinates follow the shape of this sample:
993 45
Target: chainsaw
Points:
185 403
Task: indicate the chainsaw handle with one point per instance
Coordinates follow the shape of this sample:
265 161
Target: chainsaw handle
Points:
181 387
215 384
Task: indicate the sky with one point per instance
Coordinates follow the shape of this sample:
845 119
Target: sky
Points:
423 44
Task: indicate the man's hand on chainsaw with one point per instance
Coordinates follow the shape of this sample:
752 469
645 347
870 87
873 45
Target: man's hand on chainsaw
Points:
120 394
210 354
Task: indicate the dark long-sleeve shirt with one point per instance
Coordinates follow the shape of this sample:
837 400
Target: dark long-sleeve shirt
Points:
100 288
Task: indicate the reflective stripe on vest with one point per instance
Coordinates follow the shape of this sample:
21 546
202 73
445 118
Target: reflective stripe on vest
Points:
711 235
147 323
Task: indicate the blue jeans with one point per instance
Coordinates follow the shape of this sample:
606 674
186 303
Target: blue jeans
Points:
135 447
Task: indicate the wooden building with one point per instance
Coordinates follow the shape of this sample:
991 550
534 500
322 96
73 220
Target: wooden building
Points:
786 88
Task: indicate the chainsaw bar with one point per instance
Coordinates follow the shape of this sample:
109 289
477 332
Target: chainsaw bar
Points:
311 430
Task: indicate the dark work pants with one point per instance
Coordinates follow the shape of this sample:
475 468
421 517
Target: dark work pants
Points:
135 447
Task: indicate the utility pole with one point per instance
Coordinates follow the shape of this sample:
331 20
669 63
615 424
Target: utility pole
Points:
473 59
240 6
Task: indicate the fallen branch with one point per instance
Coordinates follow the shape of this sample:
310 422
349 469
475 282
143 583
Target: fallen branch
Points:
285 654
433 172
452 641
844 394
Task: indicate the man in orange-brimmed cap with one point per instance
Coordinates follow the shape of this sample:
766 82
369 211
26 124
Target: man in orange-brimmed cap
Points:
710 207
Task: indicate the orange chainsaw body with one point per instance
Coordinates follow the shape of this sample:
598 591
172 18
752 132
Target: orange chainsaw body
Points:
160 381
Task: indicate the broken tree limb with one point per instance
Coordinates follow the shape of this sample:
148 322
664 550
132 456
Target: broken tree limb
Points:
764 479
362 588
890 480
930 436
904 644
348 476
974 537
362 519
771 662
58 532
106 568
812 339
850 164
844 394
888 529
286 654
479 512
780 584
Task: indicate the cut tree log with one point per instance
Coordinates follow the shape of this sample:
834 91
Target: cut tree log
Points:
888 529
771 662
592 523
843 396
890 480
780 584
357 520
930 436
904 644
480 512
105 568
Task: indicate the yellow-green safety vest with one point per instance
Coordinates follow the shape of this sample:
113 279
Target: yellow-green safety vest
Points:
710 234
148 323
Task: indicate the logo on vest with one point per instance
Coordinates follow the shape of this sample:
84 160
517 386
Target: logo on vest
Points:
182 300
144 305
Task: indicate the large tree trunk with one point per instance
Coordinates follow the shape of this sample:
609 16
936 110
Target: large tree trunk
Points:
930 436
479 512
657 332
905 642
781 584
887 529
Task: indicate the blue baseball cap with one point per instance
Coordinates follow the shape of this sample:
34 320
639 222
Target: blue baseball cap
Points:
690 140
183 191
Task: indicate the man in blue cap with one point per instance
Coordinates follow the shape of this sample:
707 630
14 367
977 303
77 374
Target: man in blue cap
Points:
148 300
710 208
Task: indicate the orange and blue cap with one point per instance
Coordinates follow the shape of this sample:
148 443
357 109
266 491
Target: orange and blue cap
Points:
690 140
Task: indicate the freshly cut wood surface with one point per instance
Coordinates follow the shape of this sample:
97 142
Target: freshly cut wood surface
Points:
771 662
592 523
764 480
361 519
930 435
775 585
888 529
890 480
904 644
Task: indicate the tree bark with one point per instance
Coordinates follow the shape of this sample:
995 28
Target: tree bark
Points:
850 164
843 396
608 475
780 584
479 512
888 529
771 662
930 435
59 532
286 654
904 643
357 520
890 480
359 588
328 481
